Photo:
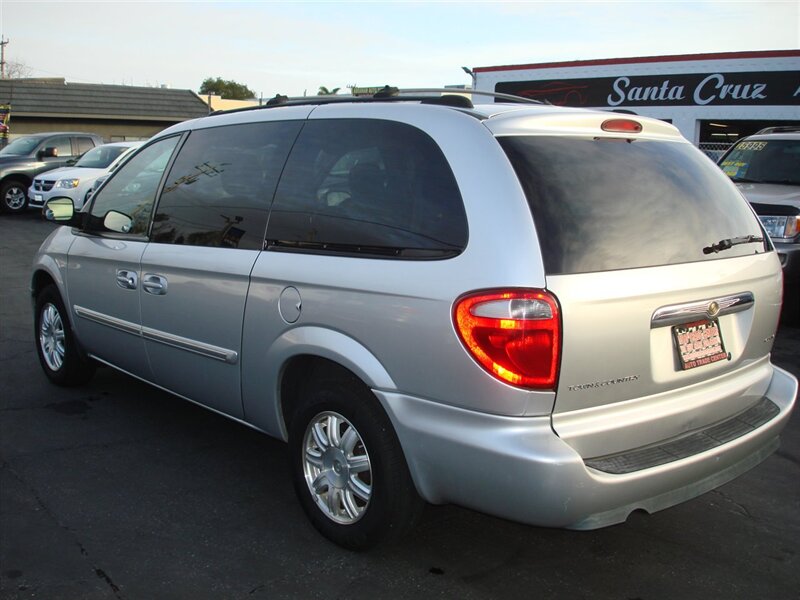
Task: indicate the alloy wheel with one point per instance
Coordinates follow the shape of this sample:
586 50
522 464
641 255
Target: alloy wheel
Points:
15 198
337 467
51 337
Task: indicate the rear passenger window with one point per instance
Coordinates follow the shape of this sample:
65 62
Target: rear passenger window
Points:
84 144
63 146
221 185
368 187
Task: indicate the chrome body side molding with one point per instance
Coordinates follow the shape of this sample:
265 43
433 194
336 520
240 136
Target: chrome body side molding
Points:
108 321
208 350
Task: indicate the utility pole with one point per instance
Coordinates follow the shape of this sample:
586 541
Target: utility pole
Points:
3 43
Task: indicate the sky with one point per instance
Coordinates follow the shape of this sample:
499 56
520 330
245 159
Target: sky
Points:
293 48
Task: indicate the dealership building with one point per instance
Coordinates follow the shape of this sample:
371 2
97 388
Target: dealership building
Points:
713 99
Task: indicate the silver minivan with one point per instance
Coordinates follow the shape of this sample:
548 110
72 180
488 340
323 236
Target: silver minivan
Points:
552 315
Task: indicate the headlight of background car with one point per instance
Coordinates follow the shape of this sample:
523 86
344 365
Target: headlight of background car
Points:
68 183
781 227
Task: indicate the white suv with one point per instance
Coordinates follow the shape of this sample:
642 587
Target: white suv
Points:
76 181
552 315
766 169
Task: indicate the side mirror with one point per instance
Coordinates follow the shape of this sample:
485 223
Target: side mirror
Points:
71 162
117 221
59 210
49 152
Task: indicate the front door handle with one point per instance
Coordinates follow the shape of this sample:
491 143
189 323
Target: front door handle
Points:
154 284
127 279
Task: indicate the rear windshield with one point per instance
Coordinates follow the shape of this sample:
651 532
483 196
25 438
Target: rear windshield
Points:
603 204
764 161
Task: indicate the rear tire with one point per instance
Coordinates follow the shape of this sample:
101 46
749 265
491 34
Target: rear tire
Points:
13 197
62 360
348 468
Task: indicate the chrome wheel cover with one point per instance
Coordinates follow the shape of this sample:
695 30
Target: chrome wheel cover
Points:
15 198
51 337
337 468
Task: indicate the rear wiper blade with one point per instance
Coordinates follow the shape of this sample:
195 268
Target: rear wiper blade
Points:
729 243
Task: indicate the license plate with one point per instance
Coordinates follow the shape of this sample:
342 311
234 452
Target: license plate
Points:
37 197
699 343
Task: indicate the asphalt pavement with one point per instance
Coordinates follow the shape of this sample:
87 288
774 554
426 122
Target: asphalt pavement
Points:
118 490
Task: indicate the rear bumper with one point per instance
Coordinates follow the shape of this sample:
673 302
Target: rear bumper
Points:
518 468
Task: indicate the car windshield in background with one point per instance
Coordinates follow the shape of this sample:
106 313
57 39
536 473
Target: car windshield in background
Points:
607 204
764 161
20 146
100 157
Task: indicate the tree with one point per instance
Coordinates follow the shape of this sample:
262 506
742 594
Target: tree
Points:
323 91
17 70
226 88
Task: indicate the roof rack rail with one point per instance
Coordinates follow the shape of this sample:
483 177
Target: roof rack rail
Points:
780 129
454 97
459 91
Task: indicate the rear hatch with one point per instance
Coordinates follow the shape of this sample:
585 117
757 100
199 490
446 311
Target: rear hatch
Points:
669 293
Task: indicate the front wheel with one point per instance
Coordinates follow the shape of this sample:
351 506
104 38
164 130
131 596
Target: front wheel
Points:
13 196
59 355
349 470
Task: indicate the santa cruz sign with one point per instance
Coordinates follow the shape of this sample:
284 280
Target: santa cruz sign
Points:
711 88
695 89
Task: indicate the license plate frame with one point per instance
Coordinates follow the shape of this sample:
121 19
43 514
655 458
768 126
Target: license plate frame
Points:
699 343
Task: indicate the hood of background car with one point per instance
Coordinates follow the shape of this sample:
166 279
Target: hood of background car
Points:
771 193
70 173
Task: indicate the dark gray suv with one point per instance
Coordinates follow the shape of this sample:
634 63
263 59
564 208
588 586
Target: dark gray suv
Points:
25 157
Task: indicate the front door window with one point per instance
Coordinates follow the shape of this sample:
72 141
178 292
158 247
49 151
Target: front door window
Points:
132 190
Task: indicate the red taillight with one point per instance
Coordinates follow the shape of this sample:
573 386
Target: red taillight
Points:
515 335
621 126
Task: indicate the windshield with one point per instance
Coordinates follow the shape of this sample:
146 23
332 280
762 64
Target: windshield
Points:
764 161
603 204
21 146
100 157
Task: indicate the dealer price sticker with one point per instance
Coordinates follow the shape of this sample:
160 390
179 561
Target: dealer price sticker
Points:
699 343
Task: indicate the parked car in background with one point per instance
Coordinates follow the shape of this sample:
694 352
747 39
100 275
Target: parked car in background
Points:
25 157
766 169
551 315
75 182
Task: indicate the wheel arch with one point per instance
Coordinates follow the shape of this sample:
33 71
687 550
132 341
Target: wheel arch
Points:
46 272
20 177
287 365
301 369
39 280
